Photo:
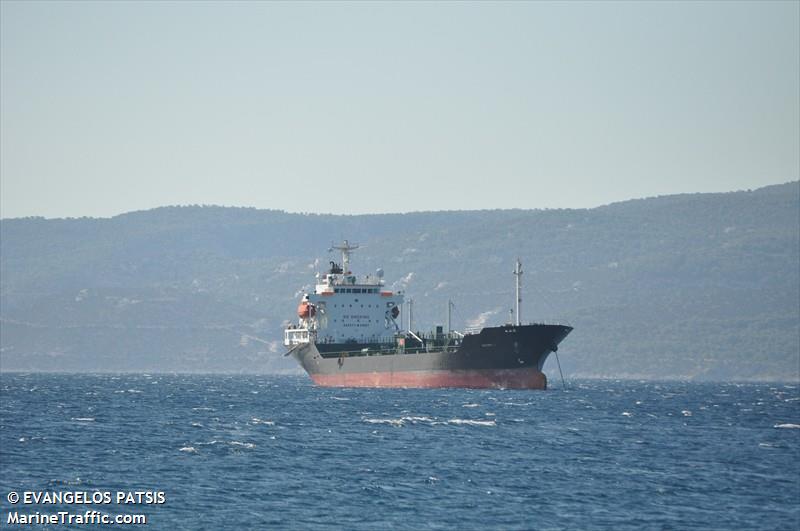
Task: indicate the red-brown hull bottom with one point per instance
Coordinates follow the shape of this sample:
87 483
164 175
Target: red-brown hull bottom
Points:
526 378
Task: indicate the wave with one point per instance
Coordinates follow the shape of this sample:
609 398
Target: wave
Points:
393 422
402 421
256 420
787 426
418 419
188 449
469 422
83 419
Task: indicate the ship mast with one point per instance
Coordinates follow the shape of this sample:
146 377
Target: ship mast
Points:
346 247
449 316
518 275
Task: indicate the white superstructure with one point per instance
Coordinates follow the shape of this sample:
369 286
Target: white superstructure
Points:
346 308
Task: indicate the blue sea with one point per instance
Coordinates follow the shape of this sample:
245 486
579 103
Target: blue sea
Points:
275 452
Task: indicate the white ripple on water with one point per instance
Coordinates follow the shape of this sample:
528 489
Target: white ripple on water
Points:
209 443
256 420
243 444
469 422
402 421
787 426
83 419
393 422
419 419
470 405
189 449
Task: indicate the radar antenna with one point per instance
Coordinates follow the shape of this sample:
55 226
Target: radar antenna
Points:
345 248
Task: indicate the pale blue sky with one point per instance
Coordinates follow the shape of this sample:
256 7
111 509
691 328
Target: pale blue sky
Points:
108 107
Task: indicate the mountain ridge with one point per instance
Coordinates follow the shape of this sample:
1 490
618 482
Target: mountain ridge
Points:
697 286
761 189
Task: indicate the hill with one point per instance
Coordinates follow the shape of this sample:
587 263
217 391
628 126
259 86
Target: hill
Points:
698 286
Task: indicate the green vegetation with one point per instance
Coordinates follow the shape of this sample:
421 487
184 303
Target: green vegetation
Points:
703 286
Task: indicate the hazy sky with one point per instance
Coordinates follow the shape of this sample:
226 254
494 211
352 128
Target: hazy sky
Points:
107 107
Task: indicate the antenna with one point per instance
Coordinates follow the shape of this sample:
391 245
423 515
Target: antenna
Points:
518 275
346 247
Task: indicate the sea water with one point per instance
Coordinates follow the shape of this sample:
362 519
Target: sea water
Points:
268 452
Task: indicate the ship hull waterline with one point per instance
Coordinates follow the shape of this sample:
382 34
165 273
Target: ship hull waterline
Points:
506 357
468 379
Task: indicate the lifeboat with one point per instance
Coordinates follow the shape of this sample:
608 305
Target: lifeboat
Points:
306 310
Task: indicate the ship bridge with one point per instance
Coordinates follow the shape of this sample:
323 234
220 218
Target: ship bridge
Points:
346 308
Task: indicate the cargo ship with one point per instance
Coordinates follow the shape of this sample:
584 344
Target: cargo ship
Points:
348 335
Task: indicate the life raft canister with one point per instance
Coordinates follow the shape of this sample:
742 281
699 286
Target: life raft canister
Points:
306 310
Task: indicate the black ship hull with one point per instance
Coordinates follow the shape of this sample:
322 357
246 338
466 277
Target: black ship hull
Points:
508 357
